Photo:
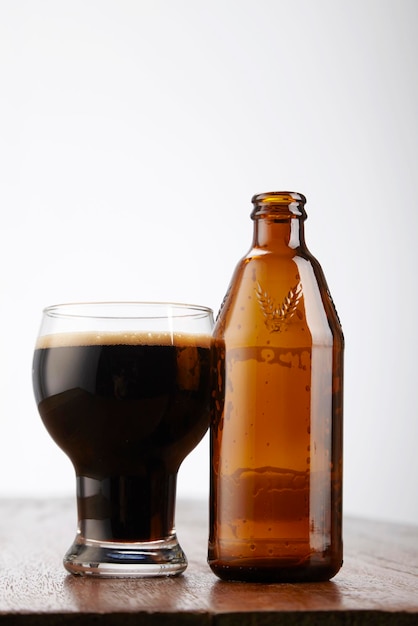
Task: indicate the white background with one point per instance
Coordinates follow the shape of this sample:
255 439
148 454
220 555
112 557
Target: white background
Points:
132 137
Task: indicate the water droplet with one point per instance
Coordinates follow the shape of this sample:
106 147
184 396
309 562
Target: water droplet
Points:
267 355
252 547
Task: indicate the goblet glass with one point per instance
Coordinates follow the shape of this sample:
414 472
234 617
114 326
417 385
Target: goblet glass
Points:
124 389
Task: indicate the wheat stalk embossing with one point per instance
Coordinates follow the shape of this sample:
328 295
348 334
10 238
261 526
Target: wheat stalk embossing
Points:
276 317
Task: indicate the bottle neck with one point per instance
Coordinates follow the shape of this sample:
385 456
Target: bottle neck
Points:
272 234
279 220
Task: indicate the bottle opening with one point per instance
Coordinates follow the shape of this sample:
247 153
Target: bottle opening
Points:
279 204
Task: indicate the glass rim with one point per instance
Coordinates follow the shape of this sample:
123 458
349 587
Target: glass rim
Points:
102 310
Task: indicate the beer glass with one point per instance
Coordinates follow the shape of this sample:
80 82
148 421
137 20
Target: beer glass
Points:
124 390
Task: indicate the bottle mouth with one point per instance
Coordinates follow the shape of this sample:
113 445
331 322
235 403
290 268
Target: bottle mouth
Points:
279 205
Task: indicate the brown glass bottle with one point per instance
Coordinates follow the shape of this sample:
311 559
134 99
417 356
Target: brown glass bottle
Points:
276 425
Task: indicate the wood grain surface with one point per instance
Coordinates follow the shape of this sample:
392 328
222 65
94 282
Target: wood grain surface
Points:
378 583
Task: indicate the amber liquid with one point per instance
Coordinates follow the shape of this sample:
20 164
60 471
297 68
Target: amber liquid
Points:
126 411
275 493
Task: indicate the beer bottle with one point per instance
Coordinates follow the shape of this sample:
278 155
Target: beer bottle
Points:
277 404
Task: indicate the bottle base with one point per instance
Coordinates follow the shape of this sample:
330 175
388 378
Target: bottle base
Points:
264 571
108 559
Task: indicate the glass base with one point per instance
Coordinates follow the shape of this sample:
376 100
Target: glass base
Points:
108 559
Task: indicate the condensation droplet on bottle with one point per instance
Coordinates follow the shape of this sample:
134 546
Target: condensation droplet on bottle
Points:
267 355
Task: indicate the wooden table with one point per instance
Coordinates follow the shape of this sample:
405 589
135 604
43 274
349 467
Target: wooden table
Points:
378 583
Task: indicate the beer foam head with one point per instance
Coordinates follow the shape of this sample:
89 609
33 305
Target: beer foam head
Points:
131 338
